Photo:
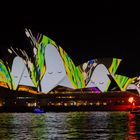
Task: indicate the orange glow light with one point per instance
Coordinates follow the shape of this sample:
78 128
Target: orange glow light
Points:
131 99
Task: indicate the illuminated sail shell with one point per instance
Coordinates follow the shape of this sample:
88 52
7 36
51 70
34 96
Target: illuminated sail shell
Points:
49 66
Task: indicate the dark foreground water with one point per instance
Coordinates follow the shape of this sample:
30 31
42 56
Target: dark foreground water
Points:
70 125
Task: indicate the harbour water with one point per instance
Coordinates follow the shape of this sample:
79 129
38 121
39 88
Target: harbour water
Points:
70 125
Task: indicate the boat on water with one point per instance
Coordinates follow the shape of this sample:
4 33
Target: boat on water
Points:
39 110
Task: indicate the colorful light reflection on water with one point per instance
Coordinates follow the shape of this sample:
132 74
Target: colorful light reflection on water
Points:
70 125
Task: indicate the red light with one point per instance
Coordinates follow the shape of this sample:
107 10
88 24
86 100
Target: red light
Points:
131 99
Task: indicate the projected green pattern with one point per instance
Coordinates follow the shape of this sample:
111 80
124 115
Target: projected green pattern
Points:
114 66
87 69
42 42
38 68
112 69
123 81
37 71
74 73
5 75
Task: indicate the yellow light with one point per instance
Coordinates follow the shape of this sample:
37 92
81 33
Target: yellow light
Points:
131 99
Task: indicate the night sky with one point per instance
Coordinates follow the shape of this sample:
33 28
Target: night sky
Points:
104 30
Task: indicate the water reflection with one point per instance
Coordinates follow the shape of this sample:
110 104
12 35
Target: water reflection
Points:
134 126
87 125
22 126
71 125
118 125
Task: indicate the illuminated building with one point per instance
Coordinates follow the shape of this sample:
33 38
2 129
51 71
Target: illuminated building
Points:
50 67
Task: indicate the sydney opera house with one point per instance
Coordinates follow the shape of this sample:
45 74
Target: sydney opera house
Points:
47 76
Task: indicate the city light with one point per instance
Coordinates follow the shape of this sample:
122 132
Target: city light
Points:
131 99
